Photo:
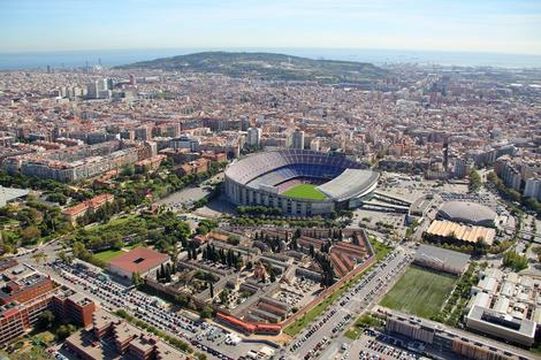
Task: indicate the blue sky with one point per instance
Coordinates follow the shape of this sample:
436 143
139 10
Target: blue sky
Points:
456 25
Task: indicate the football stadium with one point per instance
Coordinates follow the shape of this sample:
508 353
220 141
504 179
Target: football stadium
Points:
299 182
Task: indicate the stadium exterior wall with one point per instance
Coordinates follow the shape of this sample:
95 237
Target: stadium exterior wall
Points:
242 195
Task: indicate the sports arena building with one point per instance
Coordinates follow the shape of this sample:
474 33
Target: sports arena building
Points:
266 179
468 213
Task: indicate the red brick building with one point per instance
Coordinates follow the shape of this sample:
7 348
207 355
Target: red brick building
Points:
23 300
74 212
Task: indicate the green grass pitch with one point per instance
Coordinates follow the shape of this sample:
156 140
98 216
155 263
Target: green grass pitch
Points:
420 292
305 191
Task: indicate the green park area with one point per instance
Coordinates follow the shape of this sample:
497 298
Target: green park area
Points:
107 255
305 191
420 292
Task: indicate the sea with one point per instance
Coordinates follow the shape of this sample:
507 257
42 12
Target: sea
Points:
108 58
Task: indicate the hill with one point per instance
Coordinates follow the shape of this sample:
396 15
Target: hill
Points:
267 66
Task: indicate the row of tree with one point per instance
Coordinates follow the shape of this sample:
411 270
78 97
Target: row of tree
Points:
164 273
229 258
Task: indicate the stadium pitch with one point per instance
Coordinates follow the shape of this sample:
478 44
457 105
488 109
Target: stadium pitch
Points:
420 292
305 191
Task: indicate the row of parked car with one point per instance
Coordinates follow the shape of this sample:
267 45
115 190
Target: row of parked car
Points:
312 330
116 296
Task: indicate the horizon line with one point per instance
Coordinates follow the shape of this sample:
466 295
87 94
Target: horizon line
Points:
263 49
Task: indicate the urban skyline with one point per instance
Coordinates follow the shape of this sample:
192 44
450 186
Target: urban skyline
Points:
257 186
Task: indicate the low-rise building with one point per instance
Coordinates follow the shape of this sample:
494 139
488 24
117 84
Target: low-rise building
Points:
194 167
440 259
446 339
74 212
140 260
449 231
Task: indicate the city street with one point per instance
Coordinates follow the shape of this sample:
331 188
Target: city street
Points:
346 309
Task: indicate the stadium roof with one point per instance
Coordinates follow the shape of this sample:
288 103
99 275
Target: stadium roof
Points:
467 212
351 183
262 164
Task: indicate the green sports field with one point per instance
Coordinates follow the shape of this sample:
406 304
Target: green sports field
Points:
305 191
420 292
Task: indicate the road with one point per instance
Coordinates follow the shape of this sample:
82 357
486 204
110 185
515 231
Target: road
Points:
186 197
346 309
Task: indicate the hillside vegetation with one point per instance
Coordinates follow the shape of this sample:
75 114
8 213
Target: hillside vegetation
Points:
267 66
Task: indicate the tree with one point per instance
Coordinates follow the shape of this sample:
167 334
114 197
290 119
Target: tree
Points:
272 276
233 239
211 288
62 255
64 331
46 319
136 279
127 170
206 312
515 261
475 181
480 248
30 233
202 229
224 295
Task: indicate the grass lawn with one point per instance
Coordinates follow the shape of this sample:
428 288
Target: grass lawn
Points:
45 337
361 323
133 246
305 191
380 249
108 255
420 292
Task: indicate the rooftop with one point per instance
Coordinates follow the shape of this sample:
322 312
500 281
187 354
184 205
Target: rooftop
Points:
467 212
452 259
352 182
139 260
468 233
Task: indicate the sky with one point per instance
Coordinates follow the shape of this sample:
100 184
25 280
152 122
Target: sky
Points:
498 26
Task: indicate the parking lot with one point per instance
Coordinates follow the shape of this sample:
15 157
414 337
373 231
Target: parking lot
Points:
184 198
375 346
335 320
208 338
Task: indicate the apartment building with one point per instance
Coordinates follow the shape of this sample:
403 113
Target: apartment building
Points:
74 163
27 294
112 337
